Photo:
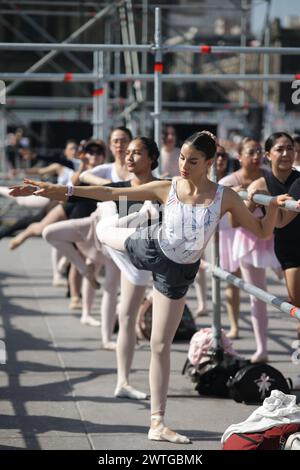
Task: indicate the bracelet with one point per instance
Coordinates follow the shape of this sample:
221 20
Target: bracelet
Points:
70 190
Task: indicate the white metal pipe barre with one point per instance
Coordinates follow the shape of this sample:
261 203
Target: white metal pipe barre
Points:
187 77
204 49
207 49
34 101
265 201
81 77
270 299
50 77
19 46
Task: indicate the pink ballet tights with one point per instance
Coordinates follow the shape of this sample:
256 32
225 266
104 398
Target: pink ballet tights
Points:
259 316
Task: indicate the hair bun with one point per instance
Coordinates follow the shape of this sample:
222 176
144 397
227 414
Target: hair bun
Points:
210 134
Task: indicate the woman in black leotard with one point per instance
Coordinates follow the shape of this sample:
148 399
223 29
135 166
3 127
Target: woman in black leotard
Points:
281 179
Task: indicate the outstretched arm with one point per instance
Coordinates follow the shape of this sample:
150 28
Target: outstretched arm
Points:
91 179
58 192
52 169
22 190
155 190
262 228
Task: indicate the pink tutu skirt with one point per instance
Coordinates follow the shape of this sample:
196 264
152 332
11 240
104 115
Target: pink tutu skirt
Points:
227 262
249 249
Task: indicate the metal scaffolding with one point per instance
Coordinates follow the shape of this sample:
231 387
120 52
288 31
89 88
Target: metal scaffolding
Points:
101 76
201 49
177 77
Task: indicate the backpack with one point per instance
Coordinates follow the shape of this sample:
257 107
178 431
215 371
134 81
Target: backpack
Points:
211 376
271 439
185 330
254 382
206 369
201 346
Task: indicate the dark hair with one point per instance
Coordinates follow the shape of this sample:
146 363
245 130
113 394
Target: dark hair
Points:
271 141
245 141
165 132
296 138
95 146
152 150
123 129
71 141
203 142
221 151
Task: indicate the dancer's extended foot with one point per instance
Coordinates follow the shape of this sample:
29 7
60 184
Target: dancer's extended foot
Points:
110 346
159 432
259 357
233 334
88 320
126 391
15 242
90 275
150 210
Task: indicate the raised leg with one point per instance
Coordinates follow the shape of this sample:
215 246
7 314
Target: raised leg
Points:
36 229
63 235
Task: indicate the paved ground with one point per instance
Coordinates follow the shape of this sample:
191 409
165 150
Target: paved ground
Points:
56 388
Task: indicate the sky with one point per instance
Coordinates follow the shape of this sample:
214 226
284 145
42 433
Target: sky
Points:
280 8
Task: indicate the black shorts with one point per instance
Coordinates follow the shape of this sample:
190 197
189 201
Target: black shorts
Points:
287 253
170 278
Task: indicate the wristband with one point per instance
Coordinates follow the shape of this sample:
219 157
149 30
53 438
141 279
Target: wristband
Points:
70 190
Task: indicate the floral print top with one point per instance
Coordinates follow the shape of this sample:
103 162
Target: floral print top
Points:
187 228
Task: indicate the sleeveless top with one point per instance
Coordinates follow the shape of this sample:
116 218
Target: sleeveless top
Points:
187 228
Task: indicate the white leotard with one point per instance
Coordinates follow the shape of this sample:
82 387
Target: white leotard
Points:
187 228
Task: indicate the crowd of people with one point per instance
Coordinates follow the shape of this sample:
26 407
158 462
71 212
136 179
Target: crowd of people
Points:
137 217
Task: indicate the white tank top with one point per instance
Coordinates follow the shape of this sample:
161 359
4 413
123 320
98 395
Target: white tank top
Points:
187 228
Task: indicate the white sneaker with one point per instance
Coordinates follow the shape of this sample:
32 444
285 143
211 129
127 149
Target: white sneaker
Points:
110 346
59 281
90 321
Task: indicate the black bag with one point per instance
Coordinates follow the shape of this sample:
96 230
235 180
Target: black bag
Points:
211 376
185 330
187 326
253 383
